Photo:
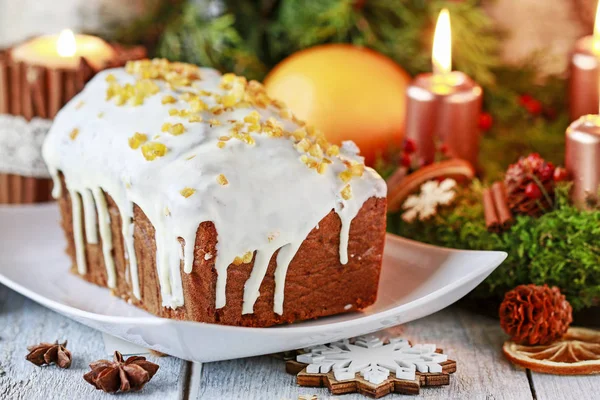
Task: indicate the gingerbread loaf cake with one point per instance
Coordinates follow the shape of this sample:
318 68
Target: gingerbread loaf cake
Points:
195 196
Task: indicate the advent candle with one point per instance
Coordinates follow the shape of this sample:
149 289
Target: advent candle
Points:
582 159
64 51
584 71
37 78
443 107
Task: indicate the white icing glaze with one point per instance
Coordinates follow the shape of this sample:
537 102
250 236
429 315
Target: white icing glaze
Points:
272 199
21 145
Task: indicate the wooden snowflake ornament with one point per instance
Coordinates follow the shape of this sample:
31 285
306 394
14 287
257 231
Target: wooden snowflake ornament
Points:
372 367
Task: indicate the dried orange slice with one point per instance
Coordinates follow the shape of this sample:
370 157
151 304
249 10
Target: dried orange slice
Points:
400 187
576 353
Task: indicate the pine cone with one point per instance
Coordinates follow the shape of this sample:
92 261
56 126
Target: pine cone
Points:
533 314
131 374
530 185
48 353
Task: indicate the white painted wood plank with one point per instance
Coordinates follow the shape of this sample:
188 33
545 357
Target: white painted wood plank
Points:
22 323
553 387
474 341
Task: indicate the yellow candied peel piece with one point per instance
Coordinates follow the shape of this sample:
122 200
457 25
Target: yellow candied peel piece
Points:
195 118
137 140
252 118
245 259
345 176
220 144
168 99
74 133
346 192
187 192
152 150
222 180
177 129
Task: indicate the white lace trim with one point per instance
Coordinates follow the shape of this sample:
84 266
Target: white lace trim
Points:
21 146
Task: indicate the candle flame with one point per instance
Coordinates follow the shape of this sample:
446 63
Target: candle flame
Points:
442 44
65 45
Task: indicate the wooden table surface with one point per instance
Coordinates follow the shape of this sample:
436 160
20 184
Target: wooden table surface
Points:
472 340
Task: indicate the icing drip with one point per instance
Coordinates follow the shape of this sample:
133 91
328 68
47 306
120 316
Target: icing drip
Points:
253 170
252 286
127 230
89 216
106 236
78 233
284 257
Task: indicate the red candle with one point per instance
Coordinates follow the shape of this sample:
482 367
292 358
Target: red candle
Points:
443 107
583 78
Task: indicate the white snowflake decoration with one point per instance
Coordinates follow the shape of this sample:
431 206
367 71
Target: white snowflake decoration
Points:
432 195
373 359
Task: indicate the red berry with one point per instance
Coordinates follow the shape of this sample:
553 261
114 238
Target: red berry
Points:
547 171
532 105
409 146
525 99
560 174
405 161
485 121
533 191
534 108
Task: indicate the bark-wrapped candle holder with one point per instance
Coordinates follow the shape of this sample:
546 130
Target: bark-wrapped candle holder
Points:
30 97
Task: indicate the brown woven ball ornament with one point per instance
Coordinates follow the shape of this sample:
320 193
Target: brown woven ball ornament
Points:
535 172
535 315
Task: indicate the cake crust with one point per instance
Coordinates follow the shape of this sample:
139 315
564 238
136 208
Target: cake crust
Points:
317 284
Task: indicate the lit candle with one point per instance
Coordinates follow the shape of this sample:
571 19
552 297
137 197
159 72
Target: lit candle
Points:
582 159
64 51
444 106
583 80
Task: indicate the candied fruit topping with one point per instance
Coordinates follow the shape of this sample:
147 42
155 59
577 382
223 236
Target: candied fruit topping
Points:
137 140
169 99
245 259
252 118
74 133
177 129
151 150
221 180
166 127
346 192
187 192
218 107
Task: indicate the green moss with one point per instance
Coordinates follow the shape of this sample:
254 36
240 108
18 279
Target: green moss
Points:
560 248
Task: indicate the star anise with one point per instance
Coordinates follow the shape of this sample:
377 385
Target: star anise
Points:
48 353
123 375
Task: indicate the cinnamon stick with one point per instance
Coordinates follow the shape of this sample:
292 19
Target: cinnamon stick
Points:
4 88
70 85
492 223
55 91
4 188
37 93
27 76
505 217
15 89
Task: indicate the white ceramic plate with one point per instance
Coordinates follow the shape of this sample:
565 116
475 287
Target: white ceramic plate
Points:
417 280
